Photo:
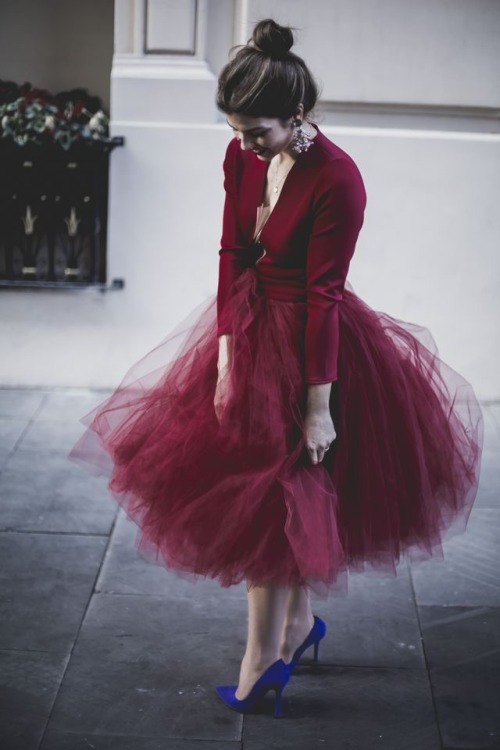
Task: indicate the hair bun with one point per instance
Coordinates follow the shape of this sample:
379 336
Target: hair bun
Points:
272 39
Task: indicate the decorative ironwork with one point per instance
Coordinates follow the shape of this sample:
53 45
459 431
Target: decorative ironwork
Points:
53 214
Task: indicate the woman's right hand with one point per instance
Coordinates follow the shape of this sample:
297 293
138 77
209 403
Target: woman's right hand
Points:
223 387
221 396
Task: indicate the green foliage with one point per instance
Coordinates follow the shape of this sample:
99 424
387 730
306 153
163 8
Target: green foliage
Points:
29 115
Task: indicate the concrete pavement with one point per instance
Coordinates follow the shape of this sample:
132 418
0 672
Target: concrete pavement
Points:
100 649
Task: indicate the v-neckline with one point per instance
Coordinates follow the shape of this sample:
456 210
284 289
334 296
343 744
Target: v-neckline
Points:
262 205
259 183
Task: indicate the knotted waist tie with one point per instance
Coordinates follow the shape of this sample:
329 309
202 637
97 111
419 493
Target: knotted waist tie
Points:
283 284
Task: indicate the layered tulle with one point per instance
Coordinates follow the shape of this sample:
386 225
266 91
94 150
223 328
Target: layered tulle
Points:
238 498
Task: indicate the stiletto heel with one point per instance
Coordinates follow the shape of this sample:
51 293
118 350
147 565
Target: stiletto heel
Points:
316 634
274 678
316 651
277 702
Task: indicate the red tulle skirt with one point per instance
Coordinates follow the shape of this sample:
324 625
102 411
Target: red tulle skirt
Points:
239 499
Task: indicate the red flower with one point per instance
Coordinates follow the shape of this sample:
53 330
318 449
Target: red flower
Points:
40 94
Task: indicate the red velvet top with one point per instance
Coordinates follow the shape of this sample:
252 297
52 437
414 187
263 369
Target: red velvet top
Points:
306 245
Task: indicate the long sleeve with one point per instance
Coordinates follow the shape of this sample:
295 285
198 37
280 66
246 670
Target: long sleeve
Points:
338 216
231 260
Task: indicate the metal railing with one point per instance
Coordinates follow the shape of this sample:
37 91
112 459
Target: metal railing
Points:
54 213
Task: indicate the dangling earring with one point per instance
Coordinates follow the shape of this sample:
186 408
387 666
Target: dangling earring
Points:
300 141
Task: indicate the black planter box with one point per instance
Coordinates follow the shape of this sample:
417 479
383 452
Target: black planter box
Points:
54 213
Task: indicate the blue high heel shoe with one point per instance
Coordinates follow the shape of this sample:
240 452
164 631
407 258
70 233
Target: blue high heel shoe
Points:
317 632
274 678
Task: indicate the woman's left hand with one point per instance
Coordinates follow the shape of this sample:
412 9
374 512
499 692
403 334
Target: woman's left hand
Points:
319 433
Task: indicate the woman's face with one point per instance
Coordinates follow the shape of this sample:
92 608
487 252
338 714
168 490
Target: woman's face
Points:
265 136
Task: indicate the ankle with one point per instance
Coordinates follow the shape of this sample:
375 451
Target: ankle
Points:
295 630
260 659
293 625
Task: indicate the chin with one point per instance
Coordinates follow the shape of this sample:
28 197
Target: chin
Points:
267 156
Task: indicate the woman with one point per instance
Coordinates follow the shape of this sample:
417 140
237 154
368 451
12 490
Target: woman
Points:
298 433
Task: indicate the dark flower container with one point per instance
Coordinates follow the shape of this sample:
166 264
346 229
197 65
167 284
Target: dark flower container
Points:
54 188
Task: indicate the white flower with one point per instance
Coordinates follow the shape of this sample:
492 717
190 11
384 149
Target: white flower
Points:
50 122
5 120
98 121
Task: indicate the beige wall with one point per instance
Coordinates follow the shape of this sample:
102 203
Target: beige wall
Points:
58 44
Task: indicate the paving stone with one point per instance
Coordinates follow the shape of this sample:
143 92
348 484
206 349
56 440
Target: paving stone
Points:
47 492
468 576
493 410
51 437
491 414
489 484
19 403
70 406
463 650
349 709
126 571
57 741
468 707
23 736
46 582
147 666
28 685
456 636
375 625
10 432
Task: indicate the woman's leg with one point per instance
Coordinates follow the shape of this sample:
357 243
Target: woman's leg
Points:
267 606
298 621
279 618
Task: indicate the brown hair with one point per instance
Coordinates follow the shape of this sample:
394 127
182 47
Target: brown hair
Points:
265 79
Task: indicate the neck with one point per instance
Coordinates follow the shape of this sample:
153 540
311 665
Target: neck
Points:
284 157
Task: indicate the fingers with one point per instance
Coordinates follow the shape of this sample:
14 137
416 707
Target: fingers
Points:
316 455
219 407
317 452
219 400
313 455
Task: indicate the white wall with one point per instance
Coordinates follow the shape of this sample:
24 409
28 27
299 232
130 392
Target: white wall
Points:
440 52
421 257
428 252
